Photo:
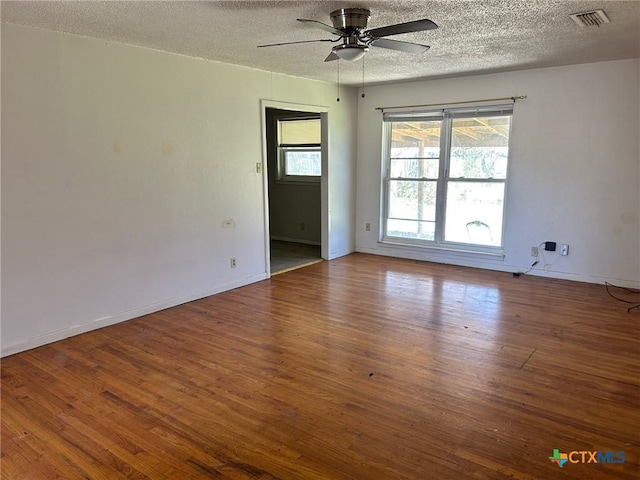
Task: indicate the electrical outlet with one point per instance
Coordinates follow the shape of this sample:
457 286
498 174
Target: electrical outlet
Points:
534 251
232 262
258 168
564 249
367 227
302 226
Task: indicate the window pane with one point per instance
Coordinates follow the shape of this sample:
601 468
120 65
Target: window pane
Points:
304 163
411 229
474 213
480 147
414 168
412 200
299 132
415 139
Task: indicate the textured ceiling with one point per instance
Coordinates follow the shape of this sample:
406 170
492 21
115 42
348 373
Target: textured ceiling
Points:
475 36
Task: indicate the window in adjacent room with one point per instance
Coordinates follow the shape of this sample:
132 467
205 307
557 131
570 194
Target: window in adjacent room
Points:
446 177
299 153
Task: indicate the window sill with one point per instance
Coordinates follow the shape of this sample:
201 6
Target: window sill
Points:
284 181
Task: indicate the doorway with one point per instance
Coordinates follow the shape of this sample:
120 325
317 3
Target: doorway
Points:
295 157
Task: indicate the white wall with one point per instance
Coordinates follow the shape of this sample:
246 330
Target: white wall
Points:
120 166
574 172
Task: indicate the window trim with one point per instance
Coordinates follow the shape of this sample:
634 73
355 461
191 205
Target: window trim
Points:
282 149
446 117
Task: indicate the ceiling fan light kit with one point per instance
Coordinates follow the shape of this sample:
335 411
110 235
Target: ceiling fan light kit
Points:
350 52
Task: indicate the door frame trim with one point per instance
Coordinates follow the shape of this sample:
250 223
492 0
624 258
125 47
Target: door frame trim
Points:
324 180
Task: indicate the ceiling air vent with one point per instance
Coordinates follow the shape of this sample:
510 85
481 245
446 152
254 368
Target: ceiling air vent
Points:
594 18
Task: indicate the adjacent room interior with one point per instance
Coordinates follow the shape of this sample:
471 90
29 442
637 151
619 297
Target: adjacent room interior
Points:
311 240
294 166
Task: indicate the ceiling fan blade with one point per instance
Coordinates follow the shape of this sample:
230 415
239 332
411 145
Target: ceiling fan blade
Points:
322 26
292 43
332 56
415 26
398 45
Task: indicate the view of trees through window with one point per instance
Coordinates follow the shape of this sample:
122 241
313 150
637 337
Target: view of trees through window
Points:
302 162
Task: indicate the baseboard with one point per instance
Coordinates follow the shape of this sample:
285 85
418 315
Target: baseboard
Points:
339 253
295 240
500 267
122 317
576 277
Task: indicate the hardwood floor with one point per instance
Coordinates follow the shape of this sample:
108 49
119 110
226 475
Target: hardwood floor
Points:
360 368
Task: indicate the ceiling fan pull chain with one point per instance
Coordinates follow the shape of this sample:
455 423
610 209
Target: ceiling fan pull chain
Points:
338 63
362 77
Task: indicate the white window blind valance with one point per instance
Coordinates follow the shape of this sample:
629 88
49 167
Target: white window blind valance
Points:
416 115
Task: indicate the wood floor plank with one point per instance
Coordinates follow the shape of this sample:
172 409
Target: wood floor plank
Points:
359 368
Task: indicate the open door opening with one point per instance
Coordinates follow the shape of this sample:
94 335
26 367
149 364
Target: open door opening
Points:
295 157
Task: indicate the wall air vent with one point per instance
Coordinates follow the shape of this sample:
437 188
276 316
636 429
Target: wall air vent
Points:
594 18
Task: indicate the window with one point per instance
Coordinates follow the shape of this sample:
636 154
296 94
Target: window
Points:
299 153
446 176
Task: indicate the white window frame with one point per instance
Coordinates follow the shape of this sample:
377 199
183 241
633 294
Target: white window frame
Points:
284 149
446 117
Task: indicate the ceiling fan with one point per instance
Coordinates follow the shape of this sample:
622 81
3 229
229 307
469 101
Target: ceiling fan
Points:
350 24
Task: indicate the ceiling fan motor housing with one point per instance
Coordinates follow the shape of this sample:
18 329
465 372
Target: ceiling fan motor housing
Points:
350 20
